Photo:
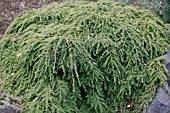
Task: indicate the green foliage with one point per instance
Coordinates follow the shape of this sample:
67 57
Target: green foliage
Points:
162 7
84 57
1 21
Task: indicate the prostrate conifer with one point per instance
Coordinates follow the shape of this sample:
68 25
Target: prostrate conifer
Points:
84 57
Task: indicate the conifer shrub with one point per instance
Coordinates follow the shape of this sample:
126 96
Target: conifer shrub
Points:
84 57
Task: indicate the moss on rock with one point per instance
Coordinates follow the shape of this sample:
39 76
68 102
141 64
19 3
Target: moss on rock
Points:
84 57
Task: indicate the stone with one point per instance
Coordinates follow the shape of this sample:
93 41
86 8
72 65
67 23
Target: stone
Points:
8 109
8 104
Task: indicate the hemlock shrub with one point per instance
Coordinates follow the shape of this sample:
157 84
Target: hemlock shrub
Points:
84 57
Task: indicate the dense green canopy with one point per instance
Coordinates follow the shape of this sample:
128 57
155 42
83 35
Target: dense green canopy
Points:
84 57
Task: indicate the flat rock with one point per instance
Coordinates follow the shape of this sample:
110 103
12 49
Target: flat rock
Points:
8 104
8 109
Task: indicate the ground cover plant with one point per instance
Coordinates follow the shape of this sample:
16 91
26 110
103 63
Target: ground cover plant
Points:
84 57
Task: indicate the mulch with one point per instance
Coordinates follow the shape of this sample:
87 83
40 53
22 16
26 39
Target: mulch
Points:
10 9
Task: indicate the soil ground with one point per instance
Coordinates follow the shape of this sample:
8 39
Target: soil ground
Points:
10 9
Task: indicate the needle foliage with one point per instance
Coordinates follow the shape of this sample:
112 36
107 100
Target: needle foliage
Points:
84 57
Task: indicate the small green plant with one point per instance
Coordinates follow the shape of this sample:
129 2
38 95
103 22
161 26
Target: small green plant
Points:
84 57
1 21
